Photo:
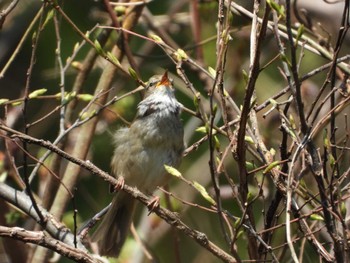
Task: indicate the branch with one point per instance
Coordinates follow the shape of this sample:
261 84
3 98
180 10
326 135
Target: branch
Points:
39 238
56 229
7 11
257 39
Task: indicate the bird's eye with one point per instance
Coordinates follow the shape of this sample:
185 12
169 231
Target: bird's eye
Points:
153 82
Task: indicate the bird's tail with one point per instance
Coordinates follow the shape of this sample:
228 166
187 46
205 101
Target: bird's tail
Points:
114 227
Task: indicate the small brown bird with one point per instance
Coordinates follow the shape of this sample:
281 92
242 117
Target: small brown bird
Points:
154 139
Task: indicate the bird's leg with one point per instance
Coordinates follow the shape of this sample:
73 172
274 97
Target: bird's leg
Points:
153 204
120 183
118 186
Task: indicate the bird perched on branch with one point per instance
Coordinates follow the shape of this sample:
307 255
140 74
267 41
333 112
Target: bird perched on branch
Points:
153 140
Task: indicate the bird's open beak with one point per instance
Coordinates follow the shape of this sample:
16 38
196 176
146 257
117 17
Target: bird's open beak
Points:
165 80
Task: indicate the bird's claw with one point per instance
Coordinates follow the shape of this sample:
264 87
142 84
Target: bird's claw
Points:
153 204
120 184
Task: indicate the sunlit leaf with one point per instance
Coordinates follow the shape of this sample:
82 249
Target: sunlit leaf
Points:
3 101
172 171
212 72
85 97
204 192
271 166
316 217
37 93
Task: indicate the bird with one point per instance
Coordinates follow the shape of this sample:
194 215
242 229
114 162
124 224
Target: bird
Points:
154 139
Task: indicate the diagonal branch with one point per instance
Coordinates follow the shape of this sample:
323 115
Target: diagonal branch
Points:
41 239
56 229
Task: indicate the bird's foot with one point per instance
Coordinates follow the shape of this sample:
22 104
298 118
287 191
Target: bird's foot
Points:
120 184
153 204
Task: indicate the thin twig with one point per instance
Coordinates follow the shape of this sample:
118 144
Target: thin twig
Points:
7 11
26 180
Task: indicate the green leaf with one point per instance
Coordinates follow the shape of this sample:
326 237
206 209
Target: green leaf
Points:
300 33
273 102
289 131
37 93
250 197
248 139
132 73
86 115
249 166
278 8
316 217
3 101
77 65
218 160
331 160
240 233
245 76
195 100
98 48
181 55
113 58
120 10
215 109
292 121
58 95
17 103
226 94
204 192
156 38
217 142
201 129
3 176
226 36
237 223
285 59
85 97
34 36
76 46
271 166
326 141
69 96
49 16
343 209
212 72
172 171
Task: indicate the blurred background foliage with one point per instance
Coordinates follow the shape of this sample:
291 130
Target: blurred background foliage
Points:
177 19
